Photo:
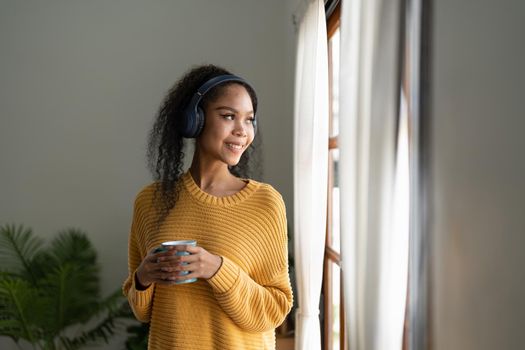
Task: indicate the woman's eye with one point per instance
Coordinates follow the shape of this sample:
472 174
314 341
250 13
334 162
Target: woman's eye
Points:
228 116
250 120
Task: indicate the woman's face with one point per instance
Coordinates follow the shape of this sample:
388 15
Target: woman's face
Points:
228 128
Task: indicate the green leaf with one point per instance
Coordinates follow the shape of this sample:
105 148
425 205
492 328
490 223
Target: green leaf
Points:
11 328
72 294
73 245
115 307
17 299
18 246
102 332
71 288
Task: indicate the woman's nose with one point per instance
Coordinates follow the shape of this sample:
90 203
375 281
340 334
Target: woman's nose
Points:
239 130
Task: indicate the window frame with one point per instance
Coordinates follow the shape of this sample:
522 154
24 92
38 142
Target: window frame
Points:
331 255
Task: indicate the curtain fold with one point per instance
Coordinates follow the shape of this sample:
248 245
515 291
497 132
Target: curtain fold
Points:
369 111
310 170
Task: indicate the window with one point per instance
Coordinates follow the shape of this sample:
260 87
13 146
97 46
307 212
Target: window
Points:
395 244
332 294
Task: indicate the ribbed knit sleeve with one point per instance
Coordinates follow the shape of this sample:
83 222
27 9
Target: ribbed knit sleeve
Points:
259 303
139 300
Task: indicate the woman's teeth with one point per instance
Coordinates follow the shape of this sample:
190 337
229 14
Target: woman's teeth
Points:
233 146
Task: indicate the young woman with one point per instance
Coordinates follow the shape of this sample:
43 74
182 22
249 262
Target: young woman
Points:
242 292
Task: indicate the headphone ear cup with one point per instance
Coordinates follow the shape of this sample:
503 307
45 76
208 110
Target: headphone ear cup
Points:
187 122
199 121
192 119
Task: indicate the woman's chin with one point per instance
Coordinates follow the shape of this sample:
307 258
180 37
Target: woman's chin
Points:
233 162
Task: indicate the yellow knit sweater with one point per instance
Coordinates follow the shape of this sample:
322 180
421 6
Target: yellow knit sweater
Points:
249 296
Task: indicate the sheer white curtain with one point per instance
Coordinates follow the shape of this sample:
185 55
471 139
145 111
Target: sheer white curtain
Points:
310 170
373 269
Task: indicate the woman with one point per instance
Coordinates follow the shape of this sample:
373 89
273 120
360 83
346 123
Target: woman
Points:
243 290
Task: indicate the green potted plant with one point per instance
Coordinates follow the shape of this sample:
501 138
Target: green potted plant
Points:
49 293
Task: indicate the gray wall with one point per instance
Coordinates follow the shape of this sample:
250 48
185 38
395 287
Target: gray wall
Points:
80 82
479 174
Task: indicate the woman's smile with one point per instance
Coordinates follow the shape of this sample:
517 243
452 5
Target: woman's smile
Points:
236 147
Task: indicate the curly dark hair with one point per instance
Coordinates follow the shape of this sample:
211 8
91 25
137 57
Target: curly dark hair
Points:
166 146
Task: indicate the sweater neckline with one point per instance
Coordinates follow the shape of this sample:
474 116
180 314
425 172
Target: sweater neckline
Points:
204 197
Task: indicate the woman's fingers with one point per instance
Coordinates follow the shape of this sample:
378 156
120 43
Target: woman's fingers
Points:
201 265
167 267
163 276
193 274
157 255
193 250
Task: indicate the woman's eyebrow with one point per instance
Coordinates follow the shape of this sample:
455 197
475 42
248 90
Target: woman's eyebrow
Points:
230 109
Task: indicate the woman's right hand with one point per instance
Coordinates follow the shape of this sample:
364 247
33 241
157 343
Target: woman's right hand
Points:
150 269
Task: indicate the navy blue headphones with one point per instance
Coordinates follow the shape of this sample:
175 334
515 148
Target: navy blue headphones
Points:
193 116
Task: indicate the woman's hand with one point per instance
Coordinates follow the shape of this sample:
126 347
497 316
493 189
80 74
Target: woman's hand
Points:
165 268
200 264
150 269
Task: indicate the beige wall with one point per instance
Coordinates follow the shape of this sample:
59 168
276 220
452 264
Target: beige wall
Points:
479 175
80 82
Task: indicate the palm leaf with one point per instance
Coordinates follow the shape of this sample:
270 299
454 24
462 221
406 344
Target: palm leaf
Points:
101 332
115 304
115 307
18 246
67 298
73 245
17 299
71 283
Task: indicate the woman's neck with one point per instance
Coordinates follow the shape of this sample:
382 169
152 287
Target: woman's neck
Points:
208 170
214 178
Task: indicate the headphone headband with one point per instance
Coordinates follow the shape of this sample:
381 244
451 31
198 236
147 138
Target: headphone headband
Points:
193 118
213 82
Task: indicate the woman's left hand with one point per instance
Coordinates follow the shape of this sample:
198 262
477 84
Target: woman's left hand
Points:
200 263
